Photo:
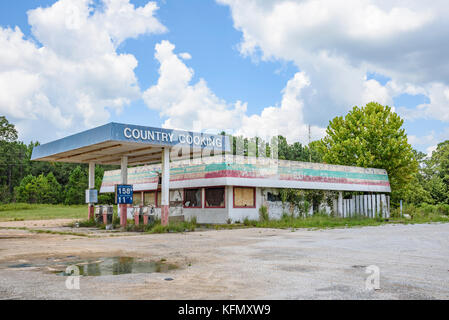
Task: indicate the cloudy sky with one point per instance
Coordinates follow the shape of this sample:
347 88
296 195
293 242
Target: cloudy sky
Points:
253 67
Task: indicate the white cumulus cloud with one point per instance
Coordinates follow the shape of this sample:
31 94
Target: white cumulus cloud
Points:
286 119
68 75
194 106
187 105
336 43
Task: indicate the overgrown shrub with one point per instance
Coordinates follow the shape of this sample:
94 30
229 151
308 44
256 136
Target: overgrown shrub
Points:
193 220
173 227
40 189
285 216
249 223
424 211
263 213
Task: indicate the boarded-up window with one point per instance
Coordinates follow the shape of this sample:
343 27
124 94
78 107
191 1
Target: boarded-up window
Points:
192 198
215 197
150 198
244 197
137 198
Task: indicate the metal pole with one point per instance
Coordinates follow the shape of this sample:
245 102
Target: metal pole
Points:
91 186
165 186
123 180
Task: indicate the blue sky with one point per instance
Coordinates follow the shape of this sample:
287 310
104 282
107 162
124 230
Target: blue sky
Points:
249 65
204 29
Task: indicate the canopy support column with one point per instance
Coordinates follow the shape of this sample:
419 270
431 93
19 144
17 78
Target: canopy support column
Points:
165 192
123 180
91 186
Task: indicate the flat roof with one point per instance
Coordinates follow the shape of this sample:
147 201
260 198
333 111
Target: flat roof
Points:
107 144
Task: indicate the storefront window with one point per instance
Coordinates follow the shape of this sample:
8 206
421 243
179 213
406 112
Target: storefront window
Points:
244 197
150 198
215 197
192 198
137 198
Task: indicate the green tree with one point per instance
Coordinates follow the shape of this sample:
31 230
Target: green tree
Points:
42 189
75 188
103 198
297 151
416 192
371 137
53 192
8 131
436 173
25 192
13 155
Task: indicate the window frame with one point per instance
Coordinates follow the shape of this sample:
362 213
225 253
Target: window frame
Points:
155 197
243 207
224 196
184 198
141 195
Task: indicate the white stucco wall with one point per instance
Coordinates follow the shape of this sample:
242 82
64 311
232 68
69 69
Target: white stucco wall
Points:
222 215
206 215
239 214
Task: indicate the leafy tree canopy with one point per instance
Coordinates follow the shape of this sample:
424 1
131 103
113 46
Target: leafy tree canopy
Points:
7 130
371 137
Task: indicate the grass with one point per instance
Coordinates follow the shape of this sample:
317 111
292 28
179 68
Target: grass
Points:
25 211
323 221
153 227
173 227
418 214
423 213
317 221
64 233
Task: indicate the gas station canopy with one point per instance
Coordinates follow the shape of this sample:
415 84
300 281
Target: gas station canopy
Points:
107 144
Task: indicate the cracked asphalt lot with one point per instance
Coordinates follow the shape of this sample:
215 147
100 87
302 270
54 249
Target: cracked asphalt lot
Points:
413 261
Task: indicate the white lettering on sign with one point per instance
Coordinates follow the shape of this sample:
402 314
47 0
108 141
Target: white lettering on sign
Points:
140 134
127 133
182 139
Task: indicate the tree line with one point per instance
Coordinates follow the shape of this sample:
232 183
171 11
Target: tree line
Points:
23 180
371 136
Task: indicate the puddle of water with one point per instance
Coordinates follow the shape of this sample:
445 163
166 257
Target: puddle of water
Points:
117 266
96 266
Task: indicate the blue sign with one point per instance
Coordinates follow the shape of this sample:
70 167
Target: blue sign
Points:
123 194
168 137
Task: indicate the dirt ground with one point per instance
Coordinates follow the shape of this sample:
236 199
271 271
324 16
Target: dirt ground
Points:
413 261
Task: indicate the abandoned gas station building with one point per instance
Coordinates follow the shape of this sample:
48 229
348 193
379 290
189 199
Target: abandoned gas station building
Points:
204 180
220 189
